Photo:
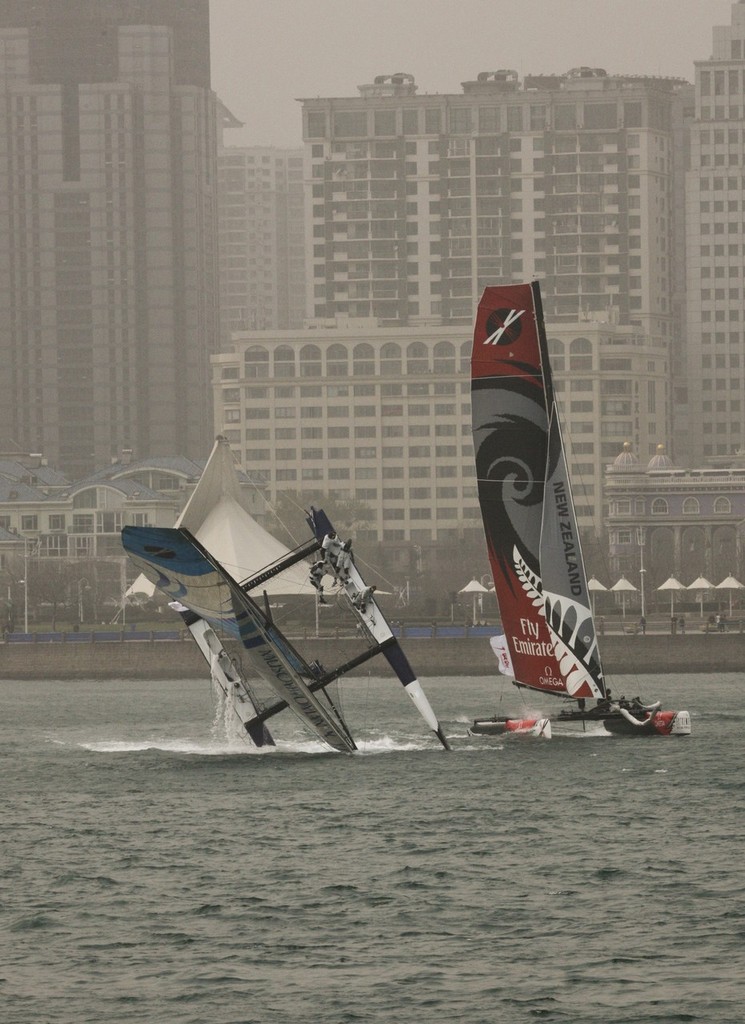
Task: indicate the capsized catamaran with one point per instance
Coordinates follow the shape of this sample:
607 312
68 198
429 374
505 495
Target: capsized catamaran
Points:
550 642
214 602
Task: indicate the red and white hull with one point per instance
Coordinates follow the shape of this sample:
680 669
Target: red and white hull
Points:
538 727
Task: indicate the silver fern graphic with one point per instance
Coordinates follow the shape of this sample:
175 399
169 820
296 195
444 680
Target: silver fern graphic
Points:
572 616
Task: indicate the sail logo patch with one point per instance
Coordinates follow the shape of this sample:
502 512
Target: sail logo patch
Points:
503 326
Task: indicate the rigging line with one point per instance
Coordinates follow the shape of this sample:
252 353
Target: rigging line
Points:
372 568
261 492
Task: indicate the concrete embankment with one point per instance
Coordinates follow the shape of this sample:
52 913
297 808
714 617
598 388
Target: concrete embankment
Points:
163 659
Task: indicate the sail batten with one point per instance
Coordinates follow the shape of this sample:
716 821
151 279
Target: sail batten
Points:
525 497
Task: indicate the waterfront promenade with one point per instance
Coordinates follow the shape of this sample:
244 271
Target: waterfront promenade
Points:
451 651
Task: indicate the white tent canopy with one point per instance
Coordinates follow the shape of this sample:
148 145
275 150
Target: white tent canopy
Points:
731 584
672 584
142 587
623 587
216 516
475 588
701 585
595 587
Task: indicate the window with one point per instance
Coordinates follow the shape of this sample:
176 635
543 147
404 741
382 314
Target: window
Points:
57 522
336 361
600 115
310 361
316 124
351 123
385 122
444 357
489 119
29 522
390 359
417 358
565 117
460 120
722 506
364 360
284 361
432 120
691 507
256 362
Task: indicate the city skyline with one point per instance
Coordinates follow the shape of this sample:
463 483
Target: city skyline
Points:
264 59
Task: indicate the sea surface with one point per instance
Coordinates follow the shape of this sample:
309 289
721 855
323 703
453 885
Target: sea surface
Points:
155 869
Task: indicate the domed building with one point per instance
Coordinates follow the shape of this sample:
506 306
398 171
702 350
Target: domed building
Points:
672 521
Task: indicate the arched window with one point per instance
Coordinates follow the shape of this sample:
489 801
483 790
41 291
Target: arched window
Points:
556 351
87 498
465 357
660 507
390 359
444 357
256 361
691 507
722 506
417 358
310 361
284 361
580 354
337 361
364 360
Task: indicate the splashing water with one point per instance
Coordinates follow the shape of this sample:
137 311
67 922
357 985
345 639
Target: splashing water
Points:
226 725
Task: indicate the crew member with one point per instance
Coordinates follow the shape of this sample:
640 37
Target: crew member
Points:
363 598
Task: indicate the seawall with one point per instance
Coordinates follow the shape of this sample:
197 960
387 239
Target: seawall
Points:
168 659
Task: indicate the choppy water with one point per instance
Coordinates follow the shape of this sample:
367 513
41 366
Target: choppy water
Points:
153 870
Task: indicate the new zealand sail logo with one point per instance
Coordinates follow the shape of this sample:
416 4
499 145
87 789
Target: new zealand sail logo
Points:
503 326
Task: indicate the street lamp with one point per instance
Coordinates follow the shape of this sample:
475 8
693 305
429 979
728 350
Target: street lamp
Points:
81 581
641 539
24 581
24 584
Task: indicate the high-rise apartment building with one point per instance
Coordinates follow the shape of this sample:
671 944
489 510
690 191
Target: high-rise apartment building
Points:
715 237
382 415
418 202
108 277
261 238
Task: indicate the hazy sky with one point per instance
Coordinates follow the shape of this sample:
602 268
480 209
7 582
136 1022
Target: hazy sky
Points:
268 53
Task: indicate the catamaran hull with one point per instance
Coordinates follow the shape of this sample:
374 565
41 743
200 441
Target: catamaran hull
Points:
539 727
661 723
